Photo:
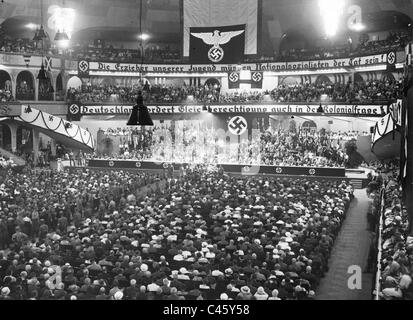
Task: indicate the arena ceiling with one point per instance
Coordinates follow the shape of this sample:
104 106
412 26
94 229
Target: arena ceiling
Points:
118 20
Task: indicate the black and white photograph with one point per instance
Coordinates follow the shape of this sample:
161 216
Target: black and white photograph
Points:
195 157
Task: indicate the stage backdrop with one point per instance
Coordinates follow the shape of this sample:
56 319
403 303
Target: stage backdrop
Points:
219 13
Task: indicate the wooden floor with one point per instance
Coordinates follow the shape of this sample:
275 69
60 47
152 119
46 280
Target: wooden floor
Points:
351 248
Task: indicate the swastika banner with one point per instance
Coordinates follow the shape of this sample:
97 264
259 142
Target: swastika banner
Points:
233 80
256 80
74 111
391 61
83 67
217 45
209 13
237 125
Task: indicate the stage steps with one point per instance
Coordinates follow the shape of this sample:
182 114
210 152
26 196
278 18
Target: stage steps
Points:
357 183
18 160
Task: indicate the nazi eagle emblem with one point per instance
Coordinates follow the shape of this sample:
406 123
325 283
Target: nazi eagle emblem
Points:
215 39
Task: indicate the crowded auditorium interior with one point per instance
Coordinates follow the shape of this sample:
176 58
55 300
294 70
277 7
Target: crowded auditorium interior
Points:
206 150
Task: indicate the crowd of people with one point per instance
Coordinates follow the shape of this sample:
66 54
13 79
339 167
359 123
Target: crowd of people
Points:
167 54
192 142
396 40
353 92
303 148
396 246
152 94
25 91
19 45
202 235
157 53
6 163
152 54
6 96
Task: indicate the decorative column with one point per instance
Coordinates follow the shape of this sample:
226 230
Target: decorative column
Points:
36 84
53 147
13 136
36 141
13 85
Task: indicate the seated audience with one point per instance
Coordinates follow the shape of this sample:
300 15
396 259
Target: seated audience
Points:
204 235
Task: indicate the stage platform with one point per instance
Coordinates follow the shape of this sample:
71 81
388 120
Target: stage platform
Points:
358 177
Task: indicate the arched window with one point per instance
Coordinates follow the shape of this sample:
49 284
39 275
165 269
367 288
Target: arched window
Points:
309 126
387 76
24 139
213 82
289 81
74 83
5 86
5 137
358 78
46 89
60 95
322 79
25 86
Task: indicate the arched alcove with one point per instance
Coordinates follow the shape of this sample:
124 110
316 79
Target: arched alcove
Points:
5 137
46 89
25 86
60 95
322 79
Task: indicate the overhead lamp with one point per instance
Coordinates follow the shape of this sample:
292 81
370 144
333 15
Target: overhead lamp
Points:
42 73
140 115
61 36
144 36
331 11
31 26
358 26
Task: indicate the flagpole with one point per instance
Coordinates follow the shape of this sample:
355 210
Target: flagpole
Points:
141 38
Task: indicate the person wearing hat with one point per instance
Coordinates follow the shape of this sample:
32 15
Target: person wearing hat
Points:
260 294
117 296
224 296
5 294
245 294
176 283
